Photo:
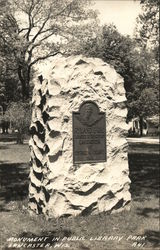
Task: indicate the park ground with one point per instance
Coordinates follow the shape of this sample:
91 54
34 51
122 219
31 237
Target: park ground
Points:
137 228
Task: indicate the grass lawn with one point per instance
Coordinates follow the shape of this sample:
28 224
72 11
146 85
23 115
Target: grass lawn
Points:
14 153
134 229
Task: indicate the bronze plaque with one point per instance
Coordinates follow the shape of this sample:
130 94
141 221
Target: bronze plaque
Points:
89 134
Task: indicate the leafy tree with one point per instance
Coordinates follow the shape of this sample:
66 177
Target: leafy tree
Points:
10 89
144 99
147 28
149 102
19 114
33 30
136 64
114 48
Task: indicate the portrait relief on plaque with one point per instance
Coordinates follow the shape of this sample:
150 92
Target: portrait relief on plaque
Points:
89 134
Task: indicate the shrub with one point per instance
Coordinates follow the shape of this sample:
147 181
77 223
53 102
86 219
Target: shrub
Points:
19 114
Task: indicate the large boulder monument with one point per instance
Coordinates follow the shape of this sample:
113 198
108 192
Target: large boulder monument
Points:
78 146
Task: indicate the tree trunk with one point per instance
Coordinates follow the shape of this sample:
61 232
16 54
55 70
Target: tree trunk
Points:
141 125
3 127
20 137
24 77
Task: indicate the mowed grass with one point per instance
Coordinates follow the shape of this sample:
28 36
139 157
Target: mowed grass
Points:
83 232
14 153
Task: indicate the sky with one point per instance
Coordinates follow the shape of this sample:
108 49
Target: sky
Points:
122 13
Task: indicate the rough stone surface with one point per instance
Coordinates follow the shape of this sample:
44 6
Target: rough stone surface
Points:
57 186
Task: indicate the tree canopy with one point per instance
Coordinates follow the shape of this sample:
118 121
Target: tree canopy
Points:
114 48
33 30
147 28
137 65
144 99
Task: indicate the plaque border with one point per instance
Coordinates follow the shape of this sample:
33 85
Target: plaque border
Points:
78 112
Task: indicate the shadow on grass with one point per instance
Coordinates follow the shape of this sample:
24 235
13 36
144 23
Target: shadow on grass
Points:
144 175
4 147
8 137
148 212
153 237
56 233
13 182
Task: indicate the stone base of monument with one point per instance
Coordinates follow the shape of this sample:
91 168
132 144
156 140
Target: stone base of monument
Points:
78 147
